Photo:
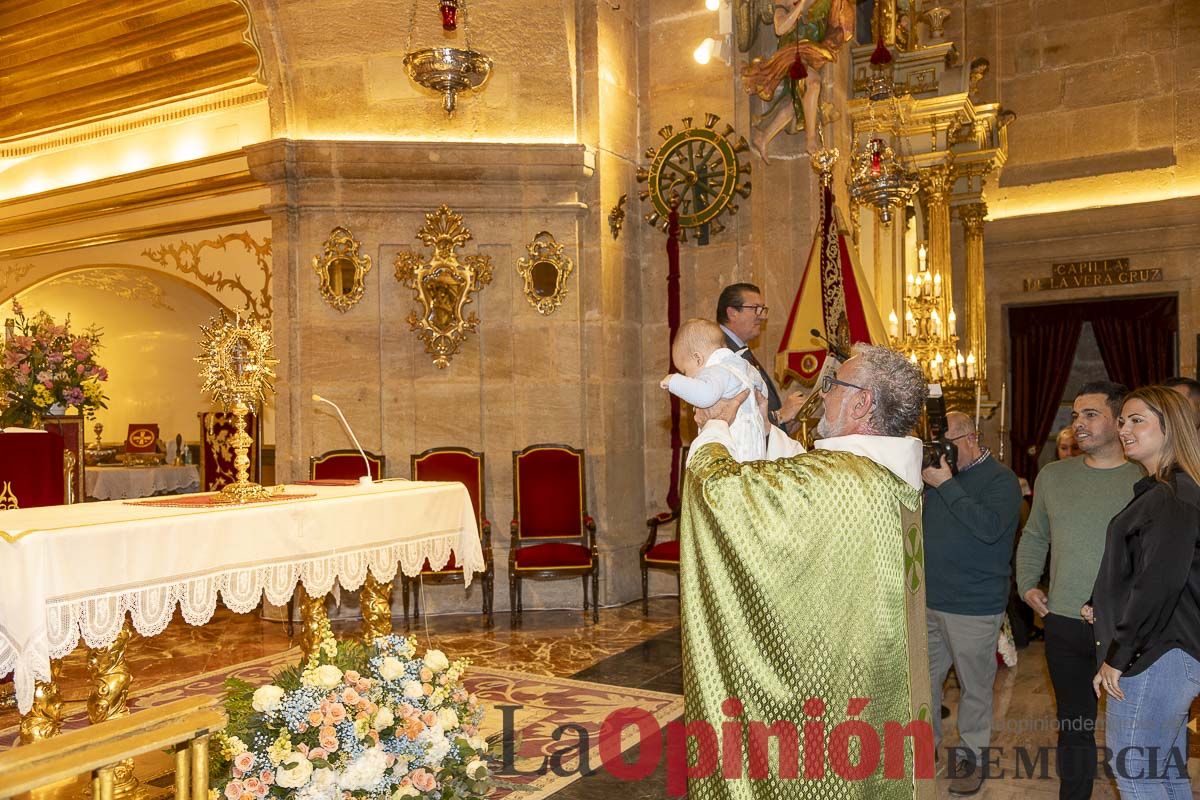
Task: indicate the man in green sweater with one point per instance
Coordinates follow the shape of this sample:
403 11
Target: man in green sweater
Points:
970 520
1073 502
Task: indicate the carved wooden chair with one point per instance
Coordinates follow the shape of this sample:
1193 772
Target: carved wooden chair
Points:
664 554
344 465
552 535
216 451
466 467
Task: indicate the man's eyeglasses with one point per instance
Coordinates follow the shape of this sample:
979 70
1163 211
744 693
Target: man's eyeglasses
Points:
828 382
962 436
759 311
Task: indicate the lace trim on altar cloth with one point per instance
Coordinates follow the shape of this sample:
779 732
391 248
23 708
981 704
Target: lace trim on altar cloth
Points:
98 620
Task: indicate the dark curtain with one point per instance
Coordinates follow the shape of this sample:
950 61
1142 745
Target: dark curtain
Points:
1137 341
1043 347
1136 337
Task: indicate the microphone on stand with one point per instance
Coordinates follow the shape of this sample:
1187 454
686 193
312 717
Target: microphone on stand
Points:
365 479
838 352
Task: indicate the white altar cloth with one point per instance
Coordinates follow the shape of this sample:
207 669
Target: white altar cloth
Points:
68 572
120 483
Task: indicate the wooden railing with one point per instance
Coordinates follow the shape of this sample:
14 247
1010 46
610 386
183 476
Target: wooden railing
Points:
184 725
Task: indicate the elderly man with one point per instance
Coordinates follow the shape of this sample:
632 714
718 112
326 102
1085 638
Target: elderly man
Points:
803 597
970 521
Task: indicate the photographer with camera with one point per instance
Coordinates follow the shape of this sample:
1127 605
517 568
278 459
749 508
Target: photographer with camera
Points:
970 518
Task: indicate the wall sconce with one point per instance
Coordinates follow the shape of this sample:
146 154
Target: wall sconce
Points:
721 46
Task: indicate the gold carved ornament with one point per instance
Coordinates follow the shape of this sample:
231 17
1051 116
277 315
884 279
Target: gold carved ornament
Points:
545 272
443 286
237 367
341 270
696 169
186 257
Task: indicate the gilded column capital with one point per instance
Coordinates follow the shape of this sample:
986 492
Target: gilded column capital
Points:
937 182
973 216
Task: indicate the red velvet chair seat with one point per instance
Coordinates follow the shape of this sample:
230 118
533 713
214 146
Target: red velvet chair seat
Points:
553 555
664 552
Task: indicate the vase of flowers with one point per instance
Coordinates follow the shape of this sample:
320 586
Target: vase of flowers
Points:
44 365
368 722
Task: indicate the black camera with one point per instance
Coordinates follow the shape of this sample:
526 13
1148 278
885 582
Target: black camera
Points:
936 445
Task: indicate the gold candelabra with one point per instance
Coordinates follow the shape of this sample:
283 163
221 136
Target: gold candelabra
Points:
237 368
928 334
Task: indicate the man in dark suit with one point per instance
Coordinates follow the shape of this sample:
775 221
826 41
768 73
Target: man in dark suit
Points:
741 314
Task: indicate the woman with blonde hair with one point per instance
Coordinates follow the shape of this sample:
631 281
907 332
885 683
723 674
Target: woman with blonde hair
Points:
1146 600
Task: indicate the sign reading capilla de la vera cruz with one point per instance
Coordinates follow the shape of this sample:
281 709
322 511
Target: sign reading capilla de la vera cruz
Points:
1089 274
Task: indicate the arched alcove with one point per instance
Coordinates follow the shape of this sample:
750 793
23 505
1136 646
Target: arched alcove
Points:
151 329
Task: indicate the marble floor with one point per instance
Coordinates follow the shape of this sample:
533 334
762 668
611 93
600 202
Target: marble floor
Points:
624 649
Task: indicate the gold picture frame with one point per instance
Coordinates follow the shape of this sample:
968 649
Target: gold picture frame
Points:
342 270
545 271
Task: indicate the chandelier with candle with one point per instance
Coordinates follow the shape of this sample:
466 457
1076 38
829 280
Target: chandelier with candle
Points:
928 334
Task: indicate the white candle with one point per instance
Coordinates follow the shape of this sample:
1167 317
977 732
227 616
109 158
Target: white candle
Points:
1003 392
970 366
893 325
910 324
954 325
937 284
921 255
936 321
910 286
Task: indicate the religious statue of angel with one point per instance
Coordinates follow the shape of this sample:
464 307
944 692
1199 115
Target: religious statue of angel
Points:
810 34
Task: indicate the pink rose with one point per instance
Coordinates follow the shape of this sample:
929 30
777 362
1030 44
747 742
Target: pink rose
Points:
350 697
429 718
251 784
423 781
336 713
351 676
267 777
316 753
363 685
244 762
426 674
233 790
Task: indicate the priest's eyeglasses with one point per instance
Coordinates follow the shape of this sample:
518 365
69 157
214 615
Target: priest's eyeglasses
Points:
828 382
759 311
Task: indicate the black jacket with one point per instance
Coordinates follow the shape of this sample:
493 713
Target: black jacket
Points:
1147 594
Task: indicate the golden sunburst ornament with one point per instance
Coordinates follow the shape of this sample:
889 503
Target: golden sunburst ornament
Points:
237 368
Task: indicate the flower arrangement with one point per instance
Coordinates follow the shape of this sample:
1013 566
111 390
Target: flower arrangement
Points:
364 722
43 364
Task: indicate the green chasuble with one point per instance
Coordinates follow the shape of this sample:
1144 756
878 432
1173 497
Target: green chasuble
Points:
802 581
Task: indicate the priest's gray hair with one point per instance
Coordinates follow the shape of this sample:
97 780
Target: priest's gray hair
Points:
897 385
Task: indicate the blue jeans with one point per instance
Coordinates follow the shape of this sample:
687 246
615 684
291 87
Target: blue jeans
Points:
1147 731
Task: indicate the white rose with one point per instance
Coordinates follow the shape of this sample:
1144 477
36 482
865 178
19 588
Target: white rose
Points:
477 770
436 660
405 791
447 718
267 698
413 690
391 668
384 719
328 676
478 743
295 773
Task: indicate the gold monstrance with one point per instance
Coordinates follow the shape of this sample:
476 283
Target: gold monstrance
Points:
237 369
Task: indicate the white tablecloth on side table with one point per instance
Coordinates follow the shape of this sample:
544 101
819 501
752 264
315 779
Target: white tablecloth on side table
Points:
68 572
122 483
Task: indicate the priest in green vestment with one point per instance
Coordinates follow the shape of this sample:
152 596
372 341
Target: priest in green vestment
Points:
803 602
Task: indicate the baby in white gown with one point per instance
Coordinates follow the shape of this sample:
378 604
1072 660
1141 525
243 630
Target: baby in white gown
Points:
712 372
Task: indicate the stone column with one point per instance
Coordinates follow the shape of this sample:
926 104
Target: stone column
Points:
936 184
972 216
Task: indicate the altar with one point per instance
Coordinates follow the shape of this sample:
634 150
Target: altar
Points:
76 572
120 482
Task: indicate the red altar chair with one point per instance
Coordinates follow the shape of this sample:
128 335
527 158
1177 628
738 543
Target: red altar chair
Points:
72 431
31 470
344 465
664 555
552 535
466 467
216 451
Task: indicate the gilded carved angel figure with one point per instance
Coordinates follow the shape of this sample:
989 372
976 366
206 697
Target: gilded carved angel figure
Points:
810 34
